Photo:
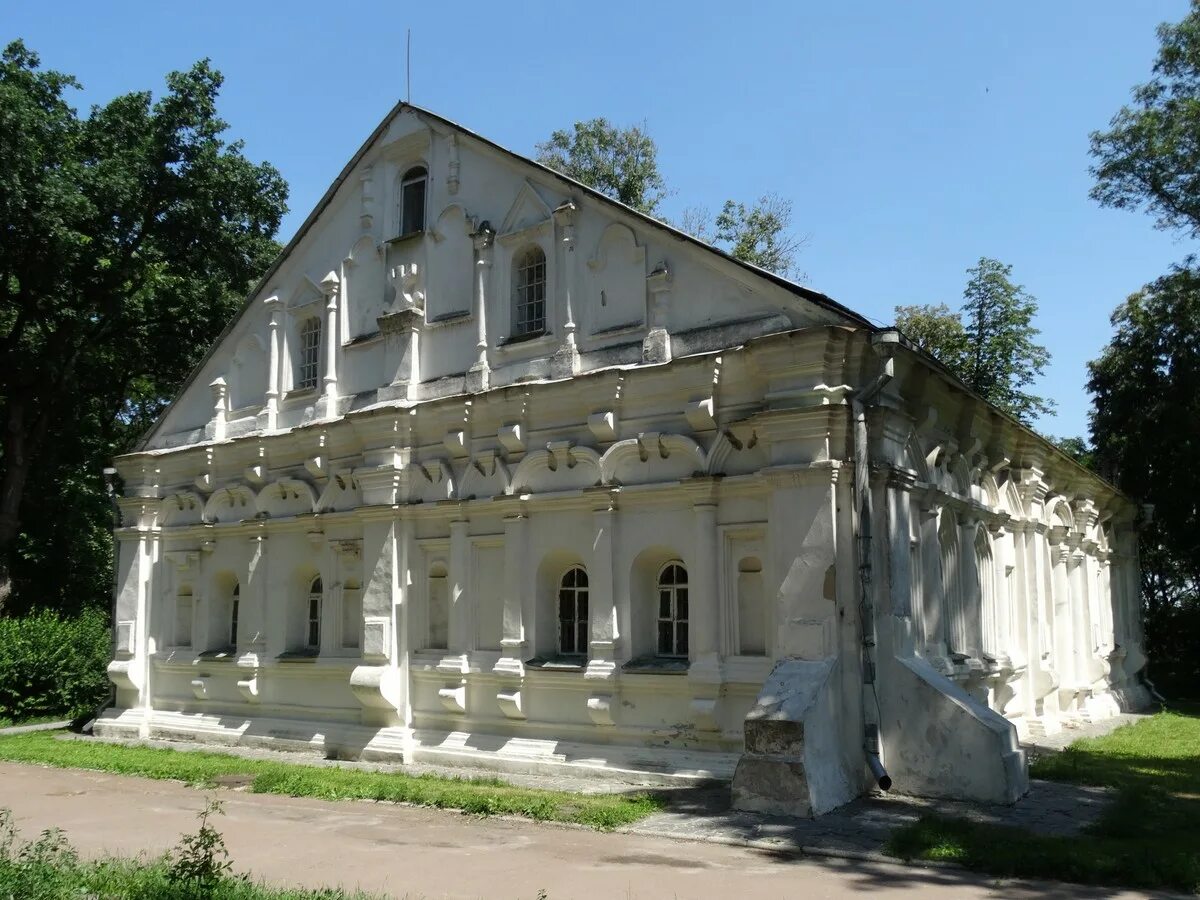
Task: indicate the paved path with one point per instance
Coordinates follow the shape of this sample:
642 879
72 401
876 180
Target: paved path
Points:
424 853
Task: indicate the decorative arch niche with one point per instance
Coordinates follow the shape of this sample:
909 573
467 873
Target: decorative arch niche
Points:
451 262
616 297
651 457
248 374
365 288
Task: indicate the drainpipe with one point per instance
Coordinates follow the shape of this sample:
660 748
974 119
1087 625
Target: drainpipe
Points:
884 344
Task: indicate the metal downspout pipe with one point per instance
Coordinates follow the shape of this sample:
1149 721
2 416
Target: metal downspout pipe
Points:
883 343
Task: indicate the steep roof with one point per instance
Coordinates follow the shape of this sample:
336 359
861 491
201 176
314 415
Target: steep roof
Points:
799 290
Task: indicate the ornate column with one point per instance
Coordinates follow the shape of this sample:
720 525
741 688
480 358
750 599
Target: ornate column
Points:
899 488
330 284
268 418
479 375
704 673
656 347
970 619
461 625
566 360
215 430
514 643
601 668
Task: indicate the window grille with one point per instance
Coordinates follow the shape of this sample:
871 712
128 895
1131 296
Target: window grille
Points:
412 201
310 354
673 611
312 639
530 293
573 613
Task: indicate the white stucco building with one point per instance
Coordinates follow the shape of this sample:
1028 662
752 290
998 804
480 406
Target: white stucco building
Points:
492 469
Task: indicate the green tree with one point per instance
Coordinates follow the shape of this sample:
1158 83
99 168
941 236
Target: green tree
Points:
937 330
1145 425
621 163
129 236
1150 155
761 234
989 344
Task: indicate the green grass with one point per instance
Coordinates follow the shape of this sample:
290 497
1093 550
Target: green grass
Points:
1148 838
70 879
50 869
486 796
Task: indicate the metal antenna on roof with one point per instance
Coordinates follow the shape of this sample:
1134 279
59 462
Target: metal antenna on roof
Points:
408 69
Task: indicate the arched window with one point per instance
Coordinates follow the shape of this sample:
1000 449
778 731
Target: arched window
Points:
233 615
673 610
309 359
312 634
529 292
412 201
573 612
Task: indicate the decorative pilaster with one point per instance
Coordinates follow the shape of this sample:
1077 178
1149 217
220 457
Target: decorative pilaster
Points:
479 375
269 417
330 284
704 673
216 428
566 360
517 587
601 668
656 347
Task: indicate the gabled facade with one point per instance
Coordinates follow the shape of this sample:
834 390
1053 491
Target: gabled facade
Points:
493 469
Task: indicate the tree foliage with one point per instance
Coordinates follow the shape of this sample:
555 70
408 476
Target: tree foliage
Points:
990 343
621 163
1150 155
1145 423
129 236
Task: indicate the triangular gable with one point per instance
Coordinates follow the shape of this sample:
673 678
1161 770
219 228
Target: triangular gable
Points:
528 206
527 212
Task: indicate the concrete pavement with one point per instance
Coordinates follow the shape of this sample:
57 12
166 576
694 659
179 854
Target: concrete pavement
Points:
425 853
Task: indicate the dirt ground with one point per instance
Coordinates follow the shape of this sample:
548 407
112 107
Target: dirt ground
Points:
424 853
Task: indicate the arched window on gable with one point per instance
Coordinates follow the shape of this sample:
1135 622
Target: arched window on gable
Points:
573 612
673 610
308 366
312 631
411 201
529 292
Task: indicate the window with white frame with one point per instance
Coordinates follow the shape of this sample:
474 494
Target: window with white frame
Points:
573 612
411 204
309 360
233 614
529 292
673 610
312 631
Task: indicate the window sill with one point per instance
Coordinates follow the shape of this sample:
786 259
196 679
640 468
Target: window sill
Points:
405 238
557 663
451 318
522 341
297 393
298 656
360 341
657 665
217 654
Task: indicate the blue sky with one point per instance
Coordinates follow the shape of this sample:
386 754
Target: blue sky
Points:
912 138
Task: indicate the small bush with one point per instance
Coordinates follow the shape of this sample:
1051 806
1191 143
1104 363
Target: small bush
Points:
51 666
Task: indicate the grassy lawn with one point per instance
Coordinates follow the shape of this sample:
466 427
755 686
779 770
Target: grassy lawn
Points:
1148 838
197 869
486 796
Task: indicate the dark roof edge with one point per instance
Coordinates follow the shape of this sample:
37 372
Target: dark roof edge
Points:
310 220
